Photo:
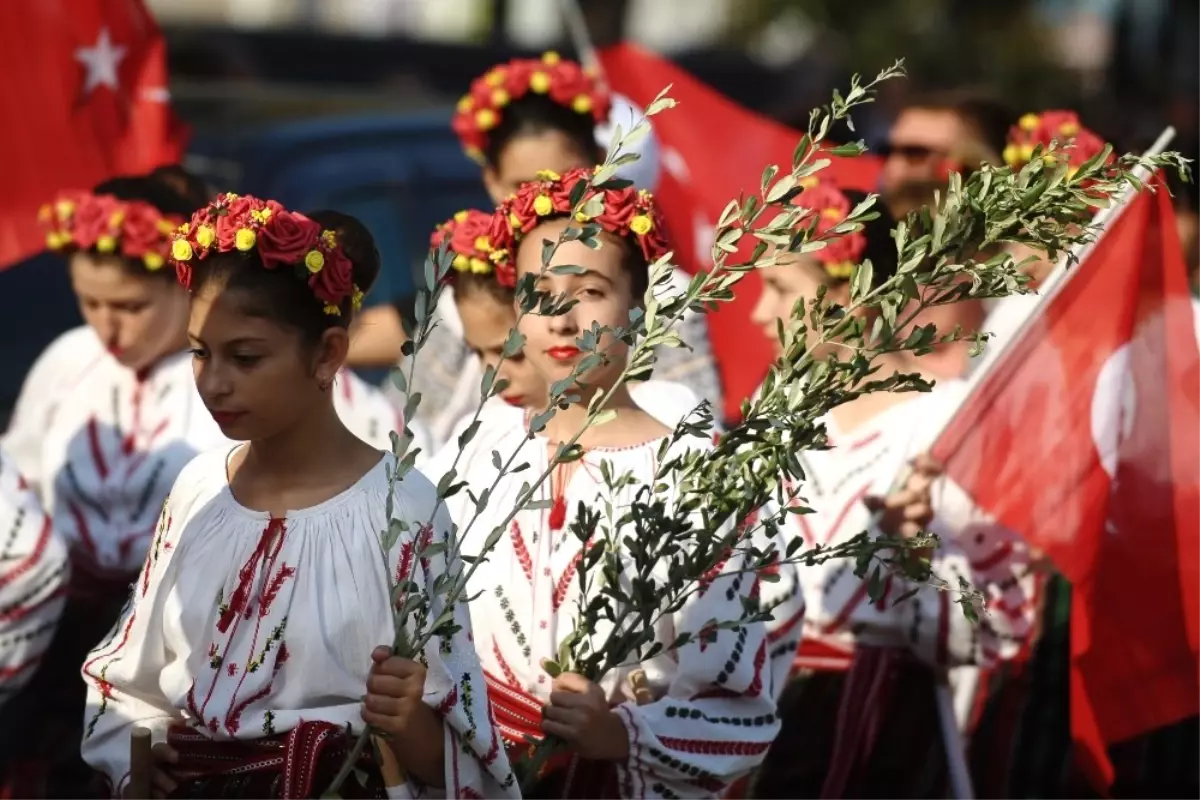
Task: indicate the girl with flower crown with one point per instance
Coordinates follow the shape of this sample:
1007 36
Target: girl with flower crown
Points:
849 728
486 305
258 635
712 712
517 119
106 418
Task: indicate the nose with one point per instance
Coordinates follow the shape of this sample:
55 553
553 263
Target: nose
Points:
211 382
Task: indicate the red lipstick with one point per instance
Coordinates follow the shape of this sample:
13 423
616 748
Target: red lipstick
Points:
564 353
226 418
517 402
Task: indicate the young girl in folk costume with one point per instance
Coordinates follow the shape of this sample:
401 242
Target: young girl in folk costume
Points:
258 634
515 120
486 305
106 419
859 720
713 715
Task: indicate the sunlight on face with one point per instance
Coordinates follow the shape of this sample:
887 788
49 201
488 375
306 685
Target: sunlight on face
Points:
486 325
254 375
139 317
603 295
785 284
525 155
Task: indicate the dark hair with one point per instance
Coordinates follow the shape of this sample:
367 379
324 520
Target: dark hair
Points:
189 186
881 247
534 114
167 196
279 294
473 283
988 116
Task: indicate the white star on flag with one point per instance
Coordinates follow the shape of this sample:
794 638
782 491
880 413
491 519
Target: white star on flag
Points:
101 61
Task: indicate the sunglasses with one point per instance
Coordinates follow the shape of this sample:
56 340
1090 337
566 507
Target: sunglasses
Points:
910 152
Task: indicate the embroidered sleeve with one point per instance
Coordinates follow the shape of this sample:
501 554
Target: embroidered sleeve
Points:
717 718
476 763
33 578
122 672
996 563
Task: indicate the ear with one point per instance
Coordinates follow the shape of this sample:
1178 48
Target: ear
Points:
331 353
491 182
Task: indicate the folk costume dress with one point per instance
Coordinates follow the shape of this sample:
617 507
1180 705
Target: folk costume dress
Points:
102 444
246 643
713 713
860 720
33 580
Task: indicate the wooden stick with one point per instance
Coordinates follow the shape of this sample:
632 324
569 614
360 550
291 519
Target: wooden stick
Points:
641 687
141 764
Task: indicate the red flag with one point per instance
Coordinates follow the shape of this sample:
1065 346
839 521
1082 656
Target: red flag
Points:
712 151
85 98
1084 438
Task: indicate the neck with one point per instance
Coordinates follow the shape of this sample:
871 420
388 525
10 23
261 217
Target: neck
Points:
569 421
306 449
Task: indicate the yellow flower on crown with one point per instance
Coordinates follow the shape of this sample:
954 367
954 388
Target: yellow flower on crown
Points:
356 298
550 58
65 209
485 118
840 269
460 263
181 250
205 235
831 213
539 83
244 239
465 104
641 224
500 97
44 212
106 244
547 175
480 267
1069 128
461 217
482 244
332 310
184 227
1029 122
514 221
55 240
165 226
582 104
542 205
495 77
314 261
116 219
330 238
809 182
153 261
1012 155
261 215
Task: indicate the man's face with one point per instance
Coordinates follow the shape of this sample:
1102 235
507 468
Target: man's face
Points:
920 143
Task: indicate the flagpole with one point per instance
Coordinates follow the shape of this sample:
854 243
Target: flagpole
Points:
1055 282
581 39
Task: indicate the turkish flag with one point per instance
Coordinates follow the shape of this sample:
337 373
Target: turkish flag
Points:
713 150
1083 437
85 98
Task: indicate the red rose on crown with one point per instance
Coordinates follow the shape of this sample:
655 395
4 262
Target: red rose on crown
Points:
141 232
93 219
286 238
830 207
335 282
229 215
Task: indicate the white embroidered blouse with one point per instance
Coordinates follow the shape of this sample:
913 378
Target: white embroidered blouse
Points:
33 579
994 560
713 716
241 625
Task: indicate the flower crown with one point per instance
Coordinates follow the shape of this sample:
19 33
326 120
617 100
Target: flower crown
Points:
101 222
830 206
565 82
467 234
626 212
282 238
1034 130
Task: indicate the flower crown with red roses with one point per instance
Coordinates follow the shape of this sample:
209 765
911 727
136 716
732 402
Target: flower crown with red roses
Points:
106 224
467 235
626 212
565 82
282 238
830 207
1040 130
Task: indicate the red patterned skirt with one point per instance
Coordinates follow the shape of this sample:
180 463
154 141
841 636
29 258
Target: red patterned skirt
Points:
298 764
565 776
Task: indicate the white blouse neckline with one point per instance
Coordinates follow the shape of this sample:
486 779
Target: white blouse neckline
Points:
323 507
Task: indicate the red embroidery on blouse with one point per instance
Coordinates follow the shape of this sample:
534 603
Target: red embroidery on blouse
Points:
522 553
448 702
714 747
93 434
24 565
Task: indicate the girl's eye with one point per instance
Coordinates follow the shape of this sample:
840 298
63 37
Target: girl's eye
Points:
246 360
589 291
199 352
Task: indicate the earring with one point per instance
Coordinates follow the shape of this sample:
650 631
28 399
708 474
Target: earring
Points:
324 385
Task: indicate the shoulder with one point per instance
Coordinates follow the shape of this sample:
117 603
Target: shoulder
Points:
667 401
69 354
201 479
415 497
